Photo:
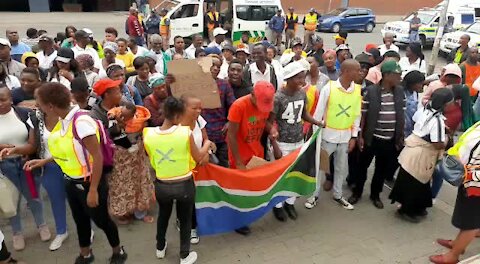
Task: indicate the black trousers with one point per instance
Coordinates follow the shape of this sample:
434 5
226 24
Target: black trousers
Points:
82 214
386 155
353 165
4 254
183 193
222 154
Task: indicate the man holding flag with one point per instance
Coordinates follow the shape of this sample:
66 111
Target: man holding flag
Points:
340 108
289 111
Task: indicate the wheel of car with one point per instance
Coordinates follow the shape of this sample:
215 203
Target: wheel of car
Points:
336 28
369 27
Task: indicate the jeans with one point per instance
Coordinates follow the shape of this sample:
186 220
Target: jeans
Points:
413 37
13 169
386 155
437 182
340 153
53 182
183 193
77 191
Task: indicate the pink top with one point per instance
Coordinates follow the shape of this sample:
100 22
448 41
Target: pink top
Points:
430 89
374 74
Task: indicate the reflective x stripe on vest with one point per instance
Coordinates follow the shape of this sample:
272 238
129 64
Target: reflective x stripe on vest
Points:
71 160
311 22
455 150
169 153
343 108
212 18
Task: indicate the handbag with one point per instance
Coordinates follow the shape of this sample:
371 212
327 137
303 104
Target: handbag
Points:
9 197
451 170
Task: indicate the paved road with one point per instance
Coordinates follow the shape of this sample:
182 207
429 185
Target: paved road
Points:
325 234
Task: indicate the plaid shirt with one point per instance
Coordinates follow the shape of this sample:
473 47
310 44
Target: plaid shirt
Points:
217 118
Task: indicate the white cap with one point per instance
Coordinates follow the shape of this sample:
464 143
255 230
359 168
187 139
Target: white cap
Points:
5 42
89 32
293 69
219 31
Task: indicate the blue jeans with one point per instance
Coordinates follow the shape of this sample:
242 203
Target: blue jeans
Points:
52 181
437 182
413 37
13 170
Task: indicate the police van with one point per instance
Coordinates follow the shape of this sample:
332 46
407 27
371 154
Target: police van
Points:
252 16
451 40
460 14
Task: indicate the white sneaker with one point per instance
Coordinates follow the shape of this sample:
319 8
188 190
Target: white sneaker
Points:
44 233
161 253
344 203
18 242
58 241
190 259
194 239
311 202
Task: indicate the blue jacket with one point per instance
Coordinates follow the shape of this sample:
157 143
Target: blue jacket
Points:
277 23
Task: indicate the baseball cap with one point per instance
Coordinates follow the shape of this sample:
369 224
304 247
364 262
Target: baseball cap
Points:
110 46
316 39
81 34
362 58
219 31
337 36
311 10
212 50
45 37
65 55
244 48
103 85
342 47
5 42
229 47
296 41
391 67
453 69
293 69
264 92
89 32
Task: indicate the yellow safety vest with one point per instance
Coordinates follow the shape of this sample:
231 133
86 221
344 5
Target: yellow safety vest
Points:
169 154
311 22
289 16
211 26
455 150
343 108
163 27
71 160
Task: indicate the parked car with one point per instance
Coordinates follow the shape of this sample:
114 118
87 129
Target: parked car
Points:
351 18
450 40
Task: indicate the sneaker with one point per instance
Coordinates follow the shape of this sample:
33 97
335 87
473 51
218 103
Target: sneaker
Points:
119 258
194 239
190 259
18 242
291 212
244 231
311 202
83 260
280 214
344 203
44 233
58 241
161 253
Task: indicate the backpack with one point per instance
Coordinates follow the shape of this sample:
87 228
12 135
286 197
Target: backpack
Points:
106 144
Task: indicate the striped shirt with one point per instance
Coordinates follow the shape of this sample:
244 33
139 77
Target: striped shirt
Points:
385 128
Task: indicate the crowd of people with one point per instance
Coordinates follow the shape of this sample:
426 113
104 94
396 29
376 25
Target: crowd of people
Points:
95 123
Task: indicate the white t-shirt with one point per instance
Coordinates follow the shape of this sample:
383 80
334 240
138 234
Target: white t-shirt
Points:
61 80
17 133
429 126
12 82
46 62
197 131
140 51
419 65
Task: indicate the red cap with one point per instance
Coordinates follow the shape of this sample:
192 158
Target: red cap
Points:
370 46
264 92
103 85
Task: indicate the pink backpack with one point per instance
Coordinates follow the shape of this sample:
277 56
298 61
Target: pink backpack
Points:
106 143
